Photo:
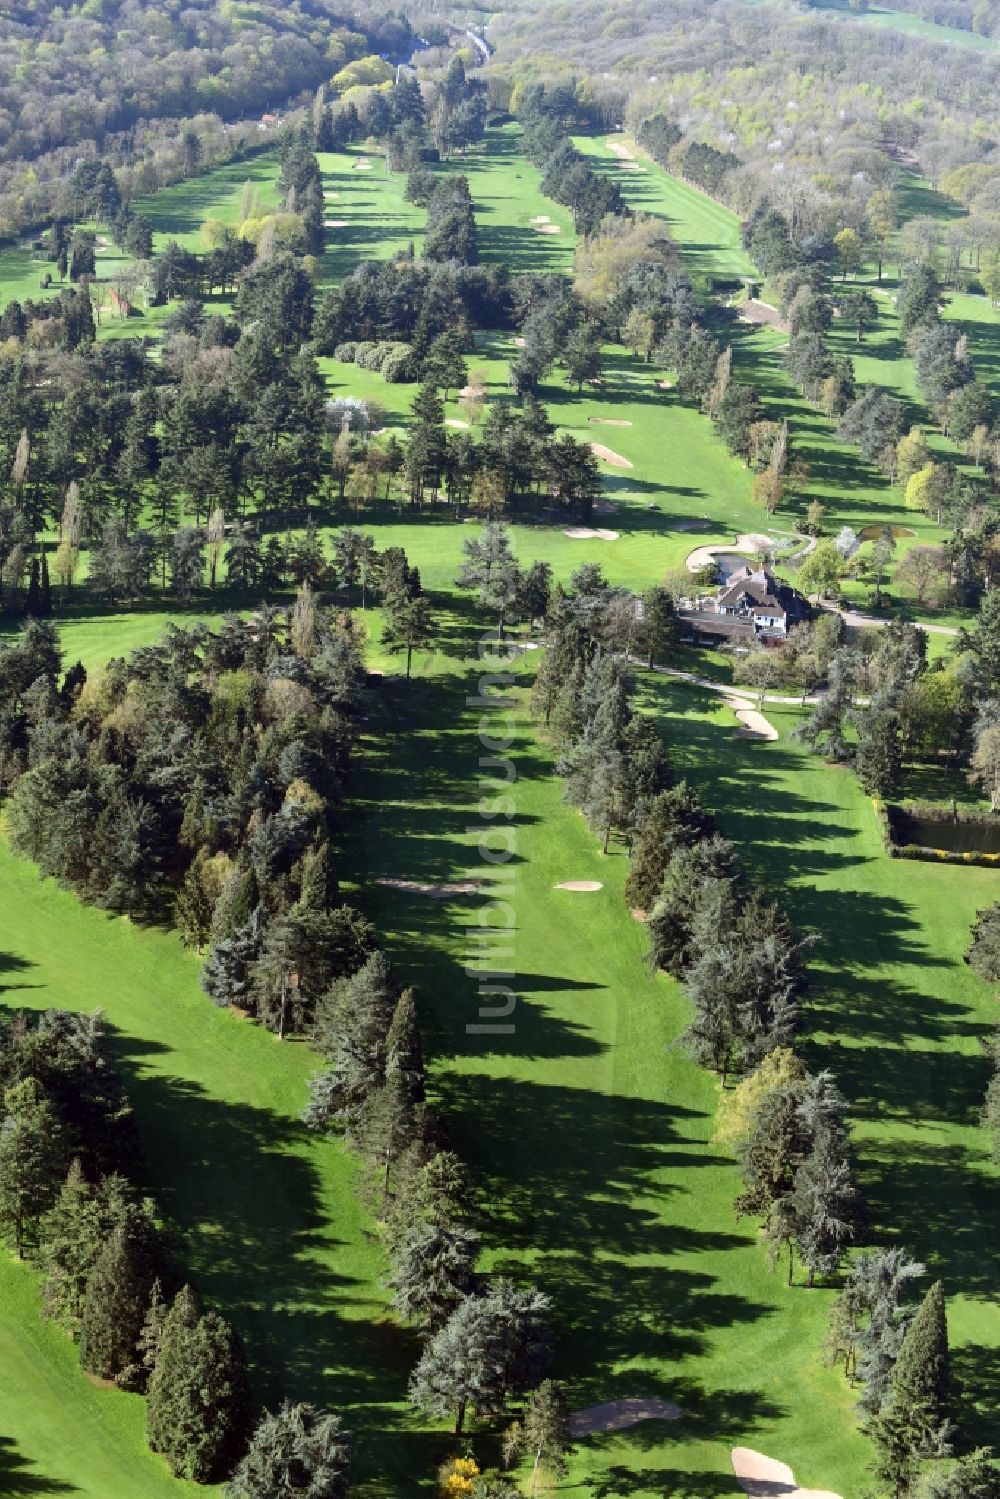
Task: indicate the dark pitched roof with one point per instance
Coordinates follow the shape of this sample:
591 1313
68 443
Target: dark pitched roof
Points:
760 588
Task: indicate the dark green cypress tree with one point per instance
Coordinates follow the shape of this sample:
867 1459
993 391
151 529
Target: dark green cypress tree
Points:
675 818
920 1380
172 1360
72 1235
118 1295
318 884
196 1408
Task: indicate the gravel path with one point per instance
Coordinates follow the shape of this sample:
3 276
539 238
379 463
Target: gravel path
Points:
855 619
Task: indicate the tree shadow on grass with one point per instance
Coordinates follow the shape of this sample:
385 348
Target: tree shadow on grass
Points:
621 1481
945 1197
253 1220
11 963
17 1482
975 1373
583 1174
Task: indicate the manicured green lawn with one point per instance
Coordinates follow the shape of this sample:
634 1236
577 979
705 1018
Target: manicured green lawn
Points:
270 1226
588 1132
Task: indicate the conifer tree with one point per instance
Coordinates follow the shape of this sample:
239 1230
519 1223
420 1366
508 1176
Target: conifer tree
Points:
296 1452
919 1386
32 1162
74 1232
227 977
197 1402
695 877
432 1272
352 1028
675 818
825 1200
118 1296
490 1347
971 1477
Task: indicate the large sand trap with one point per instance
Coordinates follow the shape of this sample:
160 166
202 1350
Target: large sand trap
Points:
764 1478
362 166
618 1414
454 421
548 229
331 196
540 218
584 533
336 223
436 892
622 152
754 724
615 459
748 541
519 343
608 421
579 885
665 384
632 166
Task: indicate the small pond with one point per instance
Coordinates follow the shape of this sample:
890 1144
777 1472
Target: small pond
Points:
954 837
730 562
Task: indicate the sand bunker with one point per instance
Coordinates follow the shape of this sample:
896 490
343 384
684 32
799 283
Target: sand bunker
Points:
761 313
622 152
753 724
362 166
632 166
454 421
764 1478
331 196
615 459
540 218
336 223
436 892
519 343
619 1414
755 541
579 885
665 384
548 229
584 533
608 421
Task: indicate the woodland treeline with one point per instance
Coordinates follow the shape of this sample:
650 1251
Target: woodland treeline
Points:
150 91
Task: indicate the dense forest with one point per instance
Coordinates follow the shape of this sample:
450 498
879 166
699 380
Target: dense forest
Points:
156 90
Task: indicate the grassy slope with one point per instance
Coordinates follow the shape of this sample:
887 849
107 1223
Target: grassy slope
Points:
668 1324
271 1230
593 1132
